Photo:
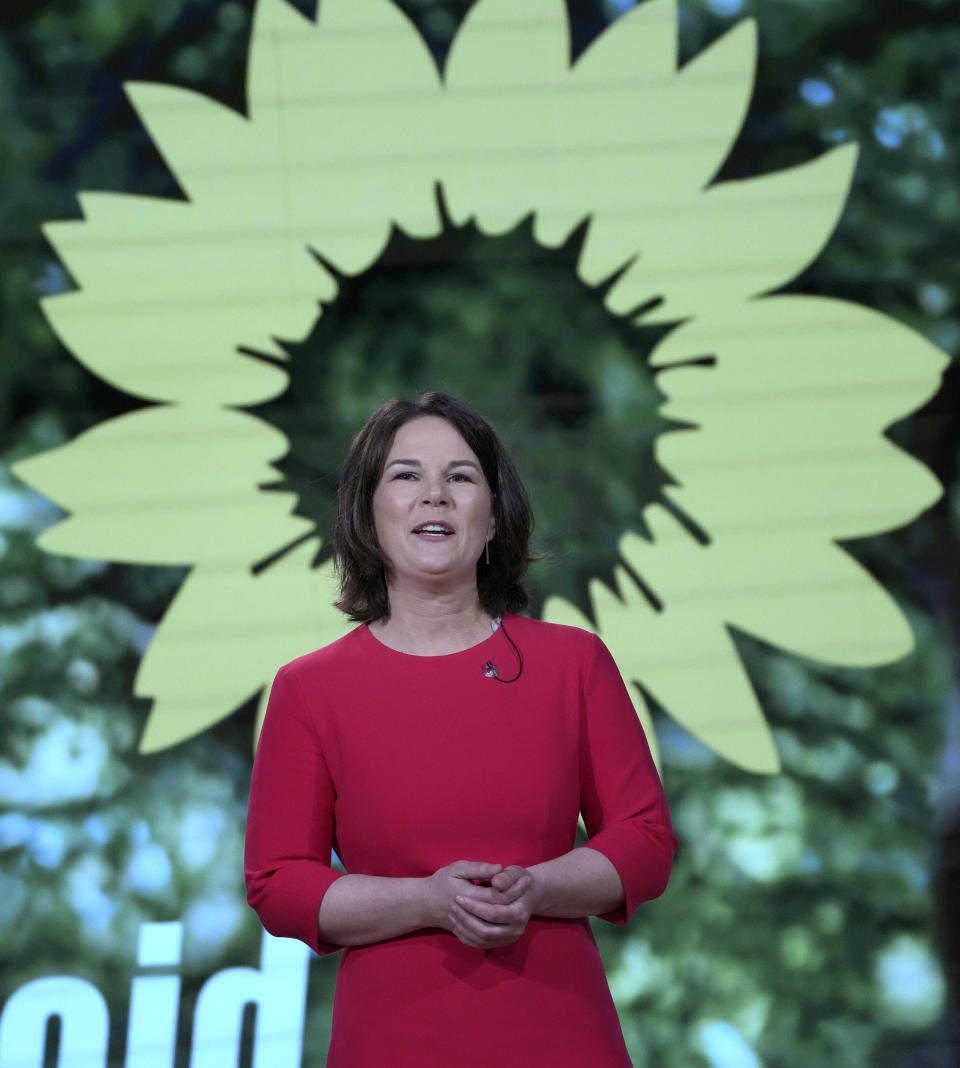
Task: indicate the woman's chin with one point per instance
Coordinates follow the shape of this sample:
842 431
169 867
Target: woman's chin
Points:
436 575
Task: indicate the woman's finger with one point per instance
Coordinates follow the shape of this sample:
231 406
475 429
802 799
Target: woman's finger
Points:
485 942
518 889
486 894
508 877
490 930
480 935
475 869
489 913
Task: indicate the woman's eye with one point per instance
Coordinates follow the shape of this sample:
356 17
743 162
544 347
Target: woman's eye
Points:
459 477
407 475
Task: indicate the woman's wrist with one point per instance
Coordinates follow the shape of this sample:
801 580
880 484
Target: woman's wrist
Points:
359 909
539 891
580 883
424 903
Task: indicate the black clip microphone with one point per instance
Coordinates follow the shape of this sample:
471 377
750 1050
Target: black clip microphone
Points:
490 670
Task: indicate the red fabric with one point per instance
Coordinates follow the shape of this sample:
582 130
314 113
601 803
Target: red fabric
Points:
405 764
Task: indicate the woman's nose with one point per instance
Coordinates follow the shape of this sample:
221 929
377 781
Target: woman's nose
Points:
433 493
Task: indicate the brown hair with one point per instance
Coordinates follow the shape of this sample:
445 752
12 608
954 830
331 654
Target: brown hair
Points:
361 565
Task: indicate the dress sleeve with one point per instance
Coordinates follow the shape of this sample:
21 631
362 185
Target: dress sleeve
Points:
621 798
289 834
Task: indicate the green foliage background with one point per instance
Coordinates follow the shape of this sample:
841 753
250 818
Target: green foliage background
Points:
812 912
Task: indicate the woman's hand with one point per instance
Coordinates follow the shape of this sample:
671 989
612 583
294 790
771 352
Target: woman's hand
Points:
496 915
442 888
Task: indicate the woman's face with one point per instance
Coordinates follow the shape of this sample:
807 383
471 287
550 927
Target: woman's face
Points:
432 508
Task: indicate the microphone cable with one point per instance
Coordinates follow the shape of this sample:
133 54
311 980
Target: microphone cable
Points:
490 669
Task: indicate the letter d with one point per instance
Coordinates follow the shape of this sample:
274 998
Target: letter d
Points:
279 991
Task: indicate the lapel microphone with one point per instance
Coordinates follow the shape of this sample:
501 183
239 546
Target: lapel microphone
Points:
490 669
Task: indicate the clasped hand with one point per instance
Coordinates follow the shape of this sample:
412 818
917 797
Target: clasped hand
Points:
484 905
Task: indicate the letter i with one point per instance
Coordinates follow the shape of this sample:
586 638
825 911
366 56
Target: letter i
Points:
155 999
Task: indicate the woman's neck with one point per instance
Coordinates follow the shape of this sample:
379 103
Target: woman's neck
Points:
432 626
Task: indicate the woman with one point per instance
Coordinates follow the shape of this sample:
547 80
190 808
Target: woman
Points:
445 749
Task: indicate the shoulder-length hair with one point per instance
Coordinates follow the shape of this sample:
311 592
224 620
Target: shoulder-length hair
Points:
363 569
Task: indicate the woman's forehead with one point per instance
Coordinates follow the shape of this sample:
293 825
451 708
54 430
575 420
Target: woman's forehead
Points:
429 436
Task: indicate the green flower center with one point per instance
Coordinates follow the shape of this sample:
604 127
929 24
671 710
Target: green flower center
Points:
508 326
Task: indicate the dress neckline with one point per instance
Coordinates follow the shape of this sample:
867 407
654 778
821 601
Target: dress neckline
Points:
371 637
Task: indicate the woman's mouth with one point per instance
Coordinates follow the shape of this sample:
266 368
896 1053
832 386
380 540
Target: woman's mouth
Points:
433 530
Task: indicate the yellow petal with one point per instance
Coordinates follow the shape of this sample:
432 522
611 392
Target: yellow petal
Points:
203 141
504 128
224 637
168 486
345 116
640 48
791 432
523 46
736 240
684 655
687 661
787 584
283 41
138 260
664 136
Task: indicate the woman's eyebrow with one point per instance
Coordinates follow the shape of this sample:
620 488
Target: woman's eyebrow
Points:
453 463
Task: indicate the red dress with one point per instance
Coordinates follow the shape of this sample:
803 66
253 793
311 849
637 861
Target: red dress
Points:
404 764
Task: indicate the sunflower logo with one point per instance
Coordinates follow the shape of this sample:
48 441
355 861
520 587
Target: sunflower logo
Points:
777 404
